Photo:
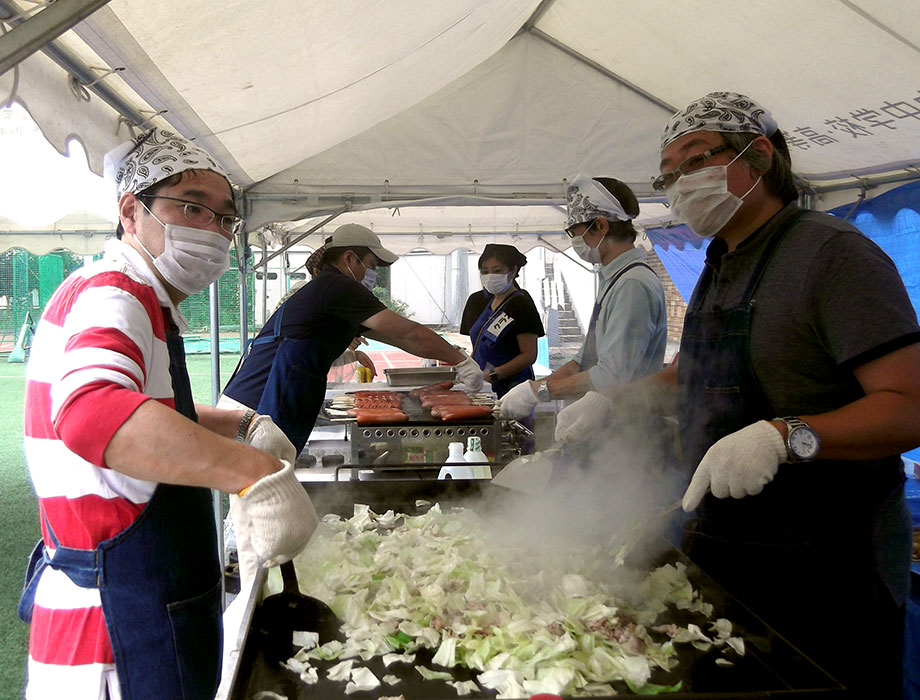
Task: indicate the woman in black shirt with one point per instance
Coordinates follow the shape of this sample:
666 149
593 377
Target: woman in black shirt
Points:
502 321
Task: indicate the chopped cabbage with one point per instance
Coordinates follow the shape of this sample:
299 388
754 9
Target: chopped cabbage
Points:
341 671
361 679
402 583
464 687
430 675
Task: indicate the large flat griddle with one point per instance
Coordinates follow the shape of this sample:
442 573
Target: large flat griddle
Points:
770 668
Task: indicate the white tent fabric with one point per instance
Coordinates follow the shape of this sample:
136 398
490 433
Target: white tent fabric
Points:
443 229
344 104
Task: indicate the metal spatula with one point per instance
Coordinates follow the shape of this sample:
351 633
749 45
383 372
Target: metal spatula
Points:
282 614
530 473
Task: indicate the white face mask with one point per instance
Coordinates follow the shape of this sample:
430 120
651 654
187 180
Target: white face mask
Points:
586 252
369 280
192 258
702 199
495 283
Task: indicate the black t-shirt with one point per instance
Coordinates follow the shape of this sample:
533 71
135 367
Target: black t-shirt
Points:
520 308
328 311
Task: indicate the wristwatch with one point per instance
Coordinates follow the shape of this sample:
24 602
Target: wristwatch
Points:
543 391
493 377
802 442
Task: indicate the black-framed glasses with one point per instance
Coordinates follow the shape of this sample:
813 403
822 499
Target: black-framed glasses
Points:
665 180
569 230
200 215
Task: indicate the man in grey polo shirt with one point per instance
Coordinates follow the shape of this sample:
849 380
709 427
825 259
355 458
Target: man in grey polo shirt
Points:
798 386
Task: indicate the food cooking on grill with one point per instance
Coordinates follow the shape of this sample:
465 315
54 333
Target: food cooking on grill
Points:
437 593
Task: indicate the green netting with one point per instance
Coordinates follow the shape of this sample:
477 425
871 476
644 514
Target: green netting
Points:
27 282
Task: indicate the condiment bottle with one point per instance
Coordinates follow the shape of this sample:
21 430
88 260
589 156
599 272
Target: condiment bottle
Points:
455 456
474 453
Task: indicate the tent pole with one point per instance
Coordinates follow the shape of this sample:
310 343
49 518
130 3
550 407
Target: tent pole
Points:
30 35
299 238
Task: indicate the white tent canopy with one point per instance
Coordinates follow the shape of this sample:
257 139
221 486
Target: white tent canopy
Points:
339 105
81 232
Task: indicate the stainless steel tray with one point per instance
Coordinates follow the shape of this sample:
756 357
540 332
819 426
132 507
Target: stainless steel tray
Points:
418 376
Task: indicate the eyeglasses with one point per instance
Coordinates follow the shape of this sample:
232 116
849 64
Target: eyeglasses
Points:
200 215
692 163
570 229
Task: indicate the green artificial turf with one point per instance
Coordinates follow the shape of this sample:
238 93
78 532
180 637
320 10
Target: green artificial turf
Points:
19 528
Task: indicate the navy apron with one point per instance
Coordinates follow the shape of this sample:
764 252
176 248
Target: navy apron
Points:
486 350
589 356
296 385
805 553
159 581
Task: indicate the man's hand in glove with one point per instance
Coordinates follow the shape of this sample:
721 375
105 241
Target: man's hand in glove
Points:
738 465
519 402
583 418
280 515
469 373
264 435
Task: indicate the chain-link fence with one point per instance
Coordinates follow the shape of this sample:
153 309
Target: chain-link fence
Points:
27 282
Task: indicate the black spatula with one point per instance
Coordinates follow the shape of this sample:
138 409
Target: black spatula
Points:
282 614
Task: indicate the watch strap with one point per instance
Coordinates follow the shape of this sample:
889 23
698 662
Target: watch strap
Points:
792 423
543 391
243 428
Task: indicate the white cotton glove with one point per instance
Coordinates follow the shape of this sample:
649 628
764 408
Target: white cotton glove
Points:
519 402
469 373
264 435
738 465
583 418
246 555
280 514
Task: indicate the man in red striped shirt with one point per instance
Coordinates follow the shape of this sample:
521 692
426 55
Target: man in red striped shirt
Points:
124 588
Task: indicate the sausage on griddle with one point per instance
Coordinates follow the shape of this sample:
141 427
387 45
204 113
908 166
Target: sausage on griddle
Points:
460 413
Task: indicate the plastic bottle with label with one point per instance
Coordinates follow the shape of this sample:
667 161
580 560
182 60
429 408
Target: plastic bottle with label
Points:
455 457
474 453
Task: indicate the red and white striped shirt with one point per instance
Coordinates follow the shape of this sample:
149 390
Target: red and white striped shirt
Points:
98 353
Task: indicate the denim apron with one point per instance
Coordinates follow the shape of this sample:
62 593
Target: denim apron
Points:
296 384
486 348
589 356
807 553
159 581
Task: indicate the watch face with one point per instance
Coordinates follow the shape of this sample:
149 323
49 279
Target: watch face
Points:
804 443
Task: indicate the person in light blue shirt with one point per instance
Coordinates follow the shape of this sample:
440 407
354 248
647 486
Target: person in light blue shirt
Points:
627 332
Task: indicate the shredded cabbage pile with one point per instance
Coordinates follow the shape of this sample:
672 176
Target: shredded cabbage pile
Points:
402 582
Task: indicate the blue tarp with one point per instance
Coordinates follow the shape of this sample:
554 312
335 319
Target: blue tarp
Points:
893 221
682 253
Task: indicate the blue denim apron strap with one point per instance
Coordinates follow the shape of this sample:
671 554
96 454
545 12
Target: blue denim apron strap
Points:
159 582
178 374
80 565
589 356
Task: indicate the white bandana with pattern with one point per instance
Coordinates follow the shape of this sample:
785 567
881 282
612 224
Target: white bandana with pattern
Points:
722 112
587 199
153 156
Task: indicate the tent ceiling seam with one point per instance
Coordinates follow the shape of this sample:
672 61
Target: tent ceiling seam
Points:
888 30
346 86
536 15
540 34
